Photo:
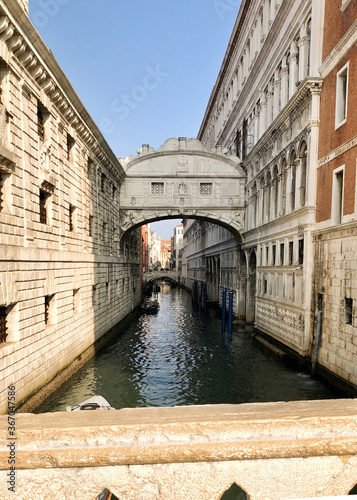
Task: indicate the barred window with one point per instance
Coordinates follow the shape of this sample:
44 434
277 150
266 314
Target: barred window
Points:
70 145
206 188
43 207
40 125
90 226
3 325
71 217
157 188
348 311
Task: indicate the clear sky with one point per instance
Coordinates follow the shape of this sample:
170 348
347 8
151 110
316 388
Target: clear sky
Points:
144 70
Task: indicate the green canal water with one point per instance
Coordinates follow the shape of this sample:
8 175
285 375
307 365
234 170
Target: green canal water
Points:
179 357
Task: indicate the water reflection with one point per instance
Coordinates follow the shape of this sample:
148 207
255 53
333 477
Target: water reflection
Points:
179 357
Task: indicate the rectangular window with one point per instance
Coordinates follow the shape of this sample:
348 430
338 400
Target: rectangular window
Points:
267 256
157 188
291 253
348 310
341 96
102 185
91 226
70 147
337 196
43 206
3 325
71 217
49 309
94 295
301 251
40 124
282 254
76 301
206 188
42 116
274 254
265 286
90 166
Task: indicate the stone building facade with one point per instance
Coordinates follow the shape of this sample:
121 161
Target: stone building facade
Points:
64 278
265 108
284 103
335 235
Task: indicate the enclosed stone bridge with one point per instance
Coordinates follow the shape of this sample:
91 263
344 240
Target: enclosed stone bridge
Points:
182 180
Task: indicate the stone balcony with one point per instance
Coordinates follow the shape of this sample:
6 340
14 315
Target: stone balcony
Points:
271 450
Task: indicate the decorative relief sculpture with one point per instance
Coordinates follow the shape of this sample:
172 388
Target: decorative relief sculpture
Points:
182 189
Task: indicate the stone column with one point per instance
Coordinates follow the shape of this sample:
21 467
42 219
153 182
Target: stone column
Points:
284 91
259 33
279 188
269 105
297 183
263 113
304 48
256 124
272 12
235 86
276 90
265 20
293 69
316 36
245 66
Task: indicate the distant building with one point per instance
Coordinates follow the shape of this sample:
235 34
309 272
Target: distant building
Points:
165 254
177 248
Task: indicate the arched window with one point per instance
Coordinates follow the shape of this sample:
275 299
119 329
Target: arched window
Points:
303 160
293 181
276 190
283 193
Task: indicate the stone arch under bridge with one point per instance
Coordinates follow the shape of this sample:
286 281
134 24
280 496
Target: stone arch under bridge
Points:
182 180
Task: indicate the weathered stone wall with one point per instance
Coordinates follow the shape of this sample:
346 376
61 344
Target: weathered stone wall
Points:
64 279
272 451
335 280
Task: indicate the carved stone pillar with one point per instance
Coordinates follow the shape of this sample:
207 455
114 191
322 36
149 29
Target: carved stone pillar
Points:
304 48
263 113
276 98
293 69
284 90
269 118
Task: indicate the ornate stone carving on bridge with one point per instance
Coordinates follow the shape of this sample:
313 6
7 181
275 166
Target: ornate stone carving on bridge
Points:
183 179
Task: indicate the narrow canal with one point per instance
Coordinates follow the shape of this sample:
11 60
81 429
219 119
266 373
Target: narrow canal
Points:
179 357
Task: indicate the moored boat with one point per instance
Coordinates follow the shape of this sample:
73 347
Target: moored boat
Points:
94 403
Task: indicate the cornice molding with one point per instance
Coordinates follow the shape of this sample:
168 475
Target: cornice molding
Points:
31 53
338 52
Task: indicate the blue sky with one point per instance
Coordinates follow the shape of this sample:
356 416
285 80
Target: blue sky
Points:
144 70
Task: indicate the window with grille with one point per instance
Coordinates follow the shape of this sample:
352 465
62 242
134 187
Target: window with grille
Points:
3 325
102 186
90 226
71 217
43 207
348 310
70 145
40 125
76 301
206 188
157 188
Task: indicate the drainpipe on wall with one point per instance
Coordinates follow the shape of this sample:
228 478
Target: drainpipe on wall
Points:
317 340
